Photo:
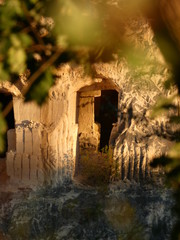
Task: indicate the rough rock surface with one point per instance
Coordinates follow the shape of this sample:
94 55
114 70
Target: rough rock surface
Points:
126 210
48 138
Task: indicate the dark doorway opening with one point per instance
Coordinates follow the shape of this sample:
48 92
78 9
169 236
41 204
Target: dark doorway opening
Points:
5 98
106 113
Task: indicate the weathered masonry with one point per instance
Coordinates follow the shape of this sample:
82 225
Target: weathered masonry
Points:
44 143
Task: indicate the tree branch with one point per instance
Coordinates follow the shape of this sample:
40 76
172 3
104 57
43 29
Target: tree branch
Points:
33 78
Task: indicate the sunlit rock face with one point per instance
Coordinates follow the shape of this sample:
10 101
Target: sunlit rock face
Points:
48 140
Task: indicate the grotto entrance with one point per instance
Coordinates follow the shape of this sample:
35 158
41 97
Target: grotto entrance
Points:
106 113
5 98
97 112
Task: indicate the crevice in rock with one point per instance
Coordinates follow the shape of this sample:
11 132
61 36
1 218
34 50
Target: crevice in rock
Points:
5 99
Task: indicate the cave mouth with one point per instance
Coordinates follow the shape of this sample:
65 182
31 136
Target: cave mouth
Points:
106 113
97 112
5 99
97 116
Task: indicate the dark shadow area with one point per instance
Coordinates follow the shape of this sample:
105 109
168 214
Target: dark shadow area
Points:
5 98
106 112
70 211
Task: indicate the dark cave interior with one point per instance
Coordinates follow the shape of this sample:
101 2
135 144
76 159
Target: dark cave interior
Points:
106 112
5 98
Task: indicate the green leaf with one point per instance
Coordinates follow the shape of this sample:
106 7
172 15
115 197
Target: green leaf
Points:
162 106
76 22
4 75
25 39
39 90
15 41
8 14
34 1
16 5
175 152
17 60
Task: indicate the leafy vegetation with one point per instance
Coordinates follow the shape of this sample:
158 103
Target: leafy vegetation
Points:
96 168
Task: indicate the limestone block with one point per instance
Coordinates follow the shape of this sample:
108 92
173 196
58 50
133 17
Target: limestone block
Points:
25 111
36 141
64 135
28 141
75 141
72 107
86 114
64 166
44 112
10 163
144 163
18 166
87 135
53 148
25 168
139 160
40 170
60 152
131 162
44 144
57 111
33 168
19 140
33 111
17 102
125 160
11 136
119 160
91 93
44 139
46 115
50 118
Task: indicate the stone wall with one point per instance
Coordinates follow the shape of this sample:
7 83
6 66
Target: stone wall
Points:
89 136
47 140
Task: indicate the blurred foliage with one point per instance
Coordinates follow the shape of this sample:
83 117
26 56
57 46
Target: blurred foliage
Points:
163 105
95 168
32 32
170 162
39 35
164 21
39 90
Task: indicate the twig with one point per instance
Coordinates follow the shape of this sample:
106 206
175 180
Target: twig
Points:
43 67
39 39
39 48
7 109
33 78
